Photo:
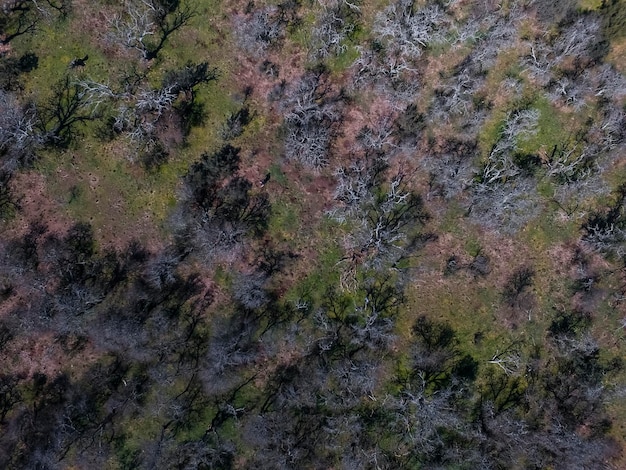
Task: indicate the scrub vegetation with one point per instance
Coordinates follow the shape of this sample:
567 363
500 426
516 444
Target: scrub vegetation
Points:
303 234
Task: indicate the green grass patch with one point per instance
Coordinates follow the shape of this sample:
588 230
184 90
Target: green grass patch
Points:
491 131
300 34
97 185
469 309
545 188
325 275
277 175
341 62
223 276
590 5
450 222
546 230
285 219
553 128
614 19
473 247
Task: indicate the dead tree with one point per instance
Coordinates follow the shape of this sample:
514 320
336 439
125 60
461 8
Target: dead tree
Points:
333 28
17 18
146 26
19 137
63 112
309 123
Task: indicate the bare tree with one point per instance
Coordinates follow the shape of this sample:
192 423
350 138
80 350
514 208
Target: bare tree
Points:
450 169
571 196
63 112
147 25
455 99
500 165
249 290
406 30
97 94
309 122
384 213
219 208
346 327
506 207
574 42
402 32
334 26
421 420
611 84
259 30
19 137
136 109
504 195
17 17
612 128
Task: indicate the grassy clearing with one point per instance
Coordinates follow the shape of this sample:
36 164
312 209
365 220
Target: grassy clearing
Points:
343 61
553 128
471 309
490 132
549 229
285 220
323 274
101 184
616 55
590 5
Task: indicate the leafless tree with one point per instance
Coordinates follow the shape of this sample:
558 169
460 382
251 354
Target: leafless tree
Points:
146 25
136 108
450 172
402 32
506 207
500 165
567 164
98 94
420 420
406 30
368 328
22 17
606 239
309 123
333 27
502 196
63 112
612 128
456 98
509 360
19 137
611 84
135 114
160 272
577 39
575 42
259 30
355 185
249 290
384 214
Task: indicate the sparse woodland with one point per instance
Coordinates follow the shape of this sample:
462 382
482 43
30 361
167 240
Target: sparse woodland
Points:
293 234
